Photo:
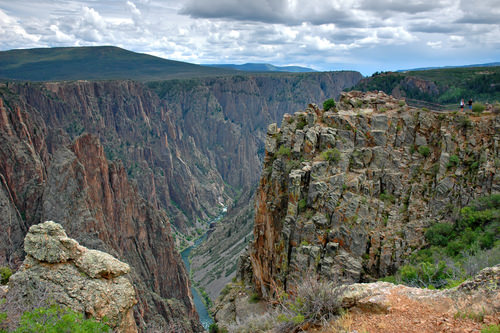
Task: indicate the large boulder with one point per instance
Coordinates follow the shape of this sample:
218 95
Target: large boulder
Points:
59 270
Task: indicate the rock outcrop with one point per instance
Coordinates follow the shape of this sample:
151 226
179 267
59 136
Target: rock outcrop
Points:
346 194
59 270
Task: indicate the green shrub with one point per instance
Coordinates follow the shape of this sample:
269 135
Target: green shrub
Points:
390 278
302 204
387 197
424 151
5 274
331 155
453 161
3 316
329 104
457 250
464 122
55 319
254 298
284 151
478 108
439 234
214 328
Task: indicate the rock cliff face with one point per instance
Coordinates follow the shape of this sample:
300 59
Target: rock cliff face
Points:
44 176
181 142
179 139
346 194
57 269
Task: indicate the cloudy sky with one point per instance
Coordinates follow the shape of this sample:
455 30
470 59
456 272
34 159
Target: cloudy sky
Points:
364 35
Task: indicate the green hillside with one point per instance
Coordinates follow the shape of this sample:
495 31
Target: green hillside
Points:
443 86
95 63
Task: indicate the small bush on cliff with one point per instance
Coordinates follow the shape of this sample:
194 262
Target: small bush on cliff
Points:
5 273
424 151
331 155
284 151
301 122
453 161
313 302
329 104
56 319
214 328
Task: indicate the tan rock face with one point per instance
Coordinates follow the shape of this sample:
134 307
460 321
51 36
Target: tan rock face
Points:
60 270
347 195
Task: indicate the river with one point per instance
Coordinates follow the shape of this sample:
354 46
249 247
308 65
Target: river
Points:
205 318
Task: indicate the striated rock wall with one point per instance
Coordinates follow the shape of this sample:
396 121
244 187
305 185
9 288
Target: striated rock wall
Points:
179 139
45 176
57 269
347 194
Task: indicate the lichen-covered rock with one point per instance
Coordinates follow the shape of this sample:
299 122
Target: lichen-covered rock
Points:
58 270
48 242
352 200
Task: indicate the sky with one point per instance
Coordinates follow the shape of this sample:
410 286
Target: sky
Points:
363 35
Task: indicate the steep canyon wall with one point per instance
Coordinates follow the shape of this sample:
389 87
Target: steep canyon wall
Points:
68 151
347 194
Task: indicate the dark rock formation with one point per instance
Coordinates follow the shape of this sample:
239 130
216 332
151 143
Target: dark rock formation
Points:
58 270
75 185
347 194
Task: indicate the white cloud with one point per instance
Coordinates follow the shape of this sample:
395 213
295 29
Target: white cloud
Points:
435 45
324 34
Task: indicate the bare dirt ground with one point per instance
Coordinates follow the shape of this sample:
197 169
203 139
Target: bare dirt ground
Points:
409 316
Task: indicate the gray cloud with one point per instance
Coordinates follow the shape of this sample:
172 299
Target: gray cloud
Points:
274 11
402 6
270 11
324 34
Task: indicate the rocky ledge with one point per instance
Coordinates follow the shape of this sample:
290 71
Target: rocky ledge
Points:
59 270
383 307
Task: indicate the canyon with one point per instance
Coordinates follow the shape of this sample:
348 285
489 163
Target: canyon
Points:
135 169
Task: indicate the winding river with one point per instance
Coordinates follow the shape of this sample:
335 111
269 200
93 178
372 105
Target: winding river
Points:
205 318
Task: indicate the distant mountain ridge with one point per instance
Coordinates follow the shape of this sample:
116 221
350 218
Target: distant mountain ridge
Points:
260 67
96 63
490 64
